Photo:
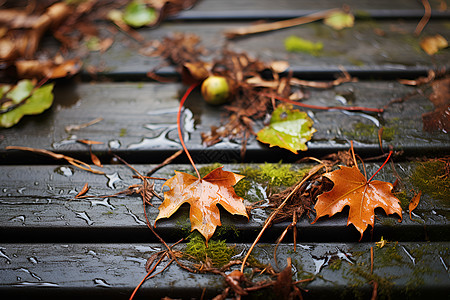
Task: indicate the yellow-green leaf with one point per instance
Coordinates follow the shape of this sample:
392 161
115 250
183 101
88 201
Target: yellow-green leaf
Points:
289 129
40 100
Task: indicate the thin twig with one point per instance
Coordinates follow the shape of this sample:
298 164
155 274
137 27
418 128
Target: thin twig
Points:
348 108
274 213
259 28
75 162
165 162
426 17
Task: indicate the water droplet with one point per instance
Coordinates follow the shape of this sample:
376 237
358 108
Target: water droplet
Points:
92 252
36 183
33 260
364 115
4 190
20 190
160 141
114 144
160 126
136 219
18 219
2 254
68 141
19 278
443 263
409 255
30 273
101 283
83 215
37 284
104 202
341 99
65 171
113 179
147 248
320 262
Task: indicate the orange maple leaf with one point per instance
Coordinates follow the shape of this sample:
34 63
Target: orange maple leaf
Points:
203 195
362 196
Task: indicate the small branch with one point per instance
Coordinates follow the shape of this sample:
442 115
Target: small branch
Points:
347 108
274 213
259 28
75 162
426 17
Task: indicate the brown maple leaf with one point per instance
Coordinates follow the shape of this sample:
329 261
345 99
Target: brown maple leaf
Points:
203 195
361 195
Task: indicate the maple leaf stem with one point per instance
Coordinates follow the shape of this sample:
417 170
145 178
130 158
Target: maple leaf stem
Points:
348 108
385 162
183 99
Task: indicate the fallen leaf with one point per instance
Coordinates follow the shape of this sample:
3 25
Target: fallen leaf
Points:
413 203
89 142
138 14
23 99
203 195
339 20
439 119
352 189
432 44
381 243
297 44
73 161
289 129
95 160
83 191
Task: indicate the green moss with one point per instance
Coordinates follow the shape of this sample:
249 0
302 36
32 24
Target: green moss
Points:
335 265
123 132
274 174
297 44
404 199
218 251
207 169
369 132
363 277
432 178
387 256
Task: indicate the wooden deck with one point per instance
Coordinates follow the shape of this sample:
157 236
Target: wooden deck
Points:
55 246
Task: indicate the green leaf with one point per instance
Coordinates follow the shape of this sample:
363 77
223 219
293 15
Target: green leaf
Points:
289 129
340 20
21 91
40 100
296 44
137 14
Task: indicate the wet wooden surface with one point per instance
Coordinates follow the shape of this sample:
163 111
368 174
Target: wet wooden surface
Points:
53 244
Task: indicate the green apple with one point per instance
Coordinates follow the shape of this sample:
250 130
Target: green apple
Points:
215 90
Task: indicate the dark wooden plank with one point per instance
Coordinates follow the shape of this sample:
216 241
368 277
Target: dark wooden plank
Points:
212 6
37 204
140 124
359 49
100 271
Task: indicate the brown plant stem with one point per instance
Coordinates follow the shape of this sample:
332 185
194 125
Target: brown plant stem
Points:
348 108
275 212
180 134
426 17
259 28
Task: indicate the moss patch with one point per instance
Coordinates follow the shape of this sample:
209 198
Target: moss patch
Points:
432 177
369 132
217 251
